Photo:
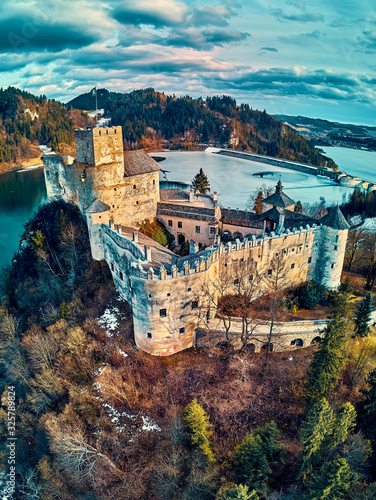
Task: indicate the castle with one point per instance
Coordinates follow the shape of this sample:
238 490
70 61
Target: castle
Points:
117 190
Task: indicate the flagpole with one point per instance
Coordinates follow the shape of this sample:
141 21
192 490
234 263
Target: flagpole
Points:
96 105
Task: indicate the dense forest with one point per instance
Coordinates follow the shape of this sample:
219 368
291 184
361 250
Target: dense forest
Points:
96 418
27 121
152 119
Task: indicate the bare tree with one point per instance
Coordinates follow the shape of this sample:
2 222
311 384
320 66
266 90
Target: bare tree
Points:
73 451
276 280
353 247
231 294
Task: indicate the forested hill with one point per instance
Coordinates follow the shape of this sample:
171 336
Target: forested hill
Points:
153 120
26 121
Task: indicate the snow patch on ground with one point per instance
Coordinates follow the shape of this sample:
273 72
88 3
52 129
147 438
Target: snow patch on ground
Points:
126 421
110 320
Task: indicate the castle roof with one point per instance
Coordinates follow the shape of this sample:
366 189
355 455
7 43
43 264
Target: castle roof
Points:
97 207
173 194
187 211
279 198
138 162
230 215
335 219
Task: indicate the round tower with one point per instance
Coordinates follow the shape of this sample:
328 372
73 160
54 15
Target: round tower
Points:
98 213
332 247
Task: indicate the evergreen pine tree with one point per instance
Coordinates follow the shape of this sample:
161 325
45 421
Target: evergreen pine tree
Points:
333 482
201 182
344 423
255 455
363 316
368 407
239 492
198 426
258 206
313 432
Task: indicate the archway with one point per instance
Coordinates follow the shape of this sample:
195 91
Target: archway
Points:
181 239
237 235
316 340
265 346
250 347
226 235
297 342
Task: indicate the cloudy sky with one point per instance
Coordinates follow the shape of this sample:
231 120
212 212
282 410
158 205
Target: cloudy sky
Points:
312 58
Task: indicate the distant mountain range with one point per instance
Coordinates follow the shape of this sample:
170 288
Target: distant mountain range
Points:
327 133
154 121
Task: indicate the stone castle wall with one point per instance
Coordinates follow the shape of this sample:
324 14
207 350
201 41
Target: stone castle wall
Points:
169 305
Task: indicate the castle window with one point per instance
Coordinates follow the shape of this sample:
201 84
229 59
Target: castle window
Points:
212 230
332 266
112 266
236 282
149 335
170 223
115 131
182 330
87 145
335 247
292 266
180 224
114 189
136 202
195 304
134 186
251 277
107 132
162 313
309 260
293 250
153 182
100 132
121 275
337 237
149 296
100 218
47 173
189 290
113 206
269 272
169 295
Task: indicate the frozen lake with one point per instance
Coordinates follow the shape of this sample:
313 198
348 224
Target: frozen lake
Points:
354 162
234 179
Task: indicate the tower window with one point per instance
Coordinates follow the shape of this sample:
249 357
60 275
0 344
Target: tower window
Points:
112 266
180 224
170 223
189 290
182 330
236 282
269 272
134 186
149 335
107 132
195 304
309 260
121 275
114 189
332 266
212 230
87 145
292 266
197 229
136 202
115 131
169 295
162 313
335 247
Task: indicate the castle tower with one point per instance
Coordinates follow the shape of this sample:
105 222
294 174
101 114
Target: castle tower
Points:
279 199
98 213
331 249
99 146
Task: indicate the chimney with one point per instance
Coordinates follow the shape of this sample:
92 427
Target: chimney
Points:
215 196
135 237
191 195
148 253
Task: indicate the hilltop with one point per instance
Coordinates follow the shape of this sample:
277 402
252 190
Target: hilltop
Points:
328 133
27 121
153 120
